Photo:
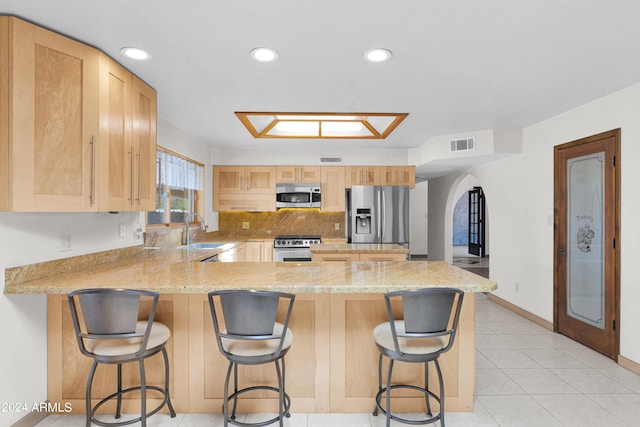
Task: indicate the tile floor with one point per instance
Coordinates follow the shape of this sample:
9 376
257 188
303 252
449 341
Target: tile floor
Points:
525 376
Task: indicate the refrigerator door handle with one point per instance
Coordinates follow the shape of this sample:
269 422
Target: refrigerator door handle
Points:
378 217
383 217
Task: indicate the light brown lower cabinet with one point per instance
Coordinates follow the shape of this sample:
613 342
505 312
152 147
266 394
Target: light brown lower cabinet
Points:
337 257
331 367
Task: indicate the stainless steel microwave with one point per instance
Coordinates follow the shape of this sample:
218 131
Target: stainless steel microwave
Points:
297 196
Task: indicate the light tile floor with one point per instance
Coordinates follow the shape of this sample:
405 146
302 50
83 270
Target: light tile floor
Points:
525 376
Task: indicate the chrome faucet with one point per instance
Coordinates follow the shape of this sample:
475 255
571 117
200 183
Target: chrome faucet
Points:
188 237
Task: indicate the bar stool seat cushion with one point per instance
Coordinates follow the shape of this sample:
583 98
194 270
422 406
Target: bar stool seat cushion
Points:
384 338
158 336
251 348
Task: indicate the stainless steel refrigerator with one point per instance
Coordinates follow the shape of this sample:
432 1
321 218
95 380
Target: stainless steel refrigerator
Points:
377 214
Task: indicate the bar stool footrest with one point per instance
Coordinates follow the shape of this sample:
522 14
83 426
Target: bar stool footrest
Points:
381 392
287 405
94 420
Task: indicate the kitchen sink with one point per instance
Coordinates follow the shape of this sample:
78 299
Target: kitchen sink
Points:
201 246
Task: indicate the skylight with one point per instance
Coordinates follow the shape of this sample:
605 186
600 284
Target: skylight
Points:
320 125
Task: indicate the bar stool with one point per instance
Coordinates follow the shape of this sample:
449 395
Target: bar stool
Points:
426 330
252 337
108 331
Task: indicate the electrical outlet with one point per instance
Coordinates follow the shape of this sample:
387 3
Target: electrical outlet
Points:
138 236
517 287
245 225
337 226
122 231
65 242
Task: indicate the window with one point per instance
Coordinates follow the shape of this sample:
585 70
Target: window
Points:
179 188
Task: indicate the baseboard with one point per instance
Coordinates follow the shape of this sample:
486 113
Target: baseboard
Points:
629 364
524 313
31 419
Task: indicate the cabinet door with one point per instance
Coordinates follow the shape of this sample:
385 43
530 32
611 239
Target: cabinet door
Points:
298 174
397 175
228 179
309 174
333 188
361 175
144 115
253 251
286 174
260 180
54 84
387 175
116 191
267 250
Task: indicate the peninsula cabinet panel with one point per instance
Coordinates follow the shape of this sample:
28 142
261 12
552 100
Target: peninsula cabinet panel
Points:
53 103
332 183
331 367
354 384
306 375
68 369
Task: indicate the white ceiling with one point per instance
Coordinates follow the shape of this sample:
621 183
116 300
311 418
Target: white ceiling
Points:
458 65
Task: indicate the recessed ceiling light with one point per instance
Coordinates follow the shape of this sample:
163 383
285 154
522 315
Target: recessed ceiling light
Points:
264 54
135 53
377 55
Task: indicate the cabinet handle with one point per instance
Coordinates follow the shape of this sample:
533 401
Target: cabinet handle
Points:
133 163
139 173
93 170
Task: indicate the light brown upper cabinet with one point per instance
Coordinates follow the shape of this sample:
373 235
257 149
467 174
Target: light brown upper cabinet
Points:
143 171
361 175
298 174
332 184
67 121
246 188
397 175
50 93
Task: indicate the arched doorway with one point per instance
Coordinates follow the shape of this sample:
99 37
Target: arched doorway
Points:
460 207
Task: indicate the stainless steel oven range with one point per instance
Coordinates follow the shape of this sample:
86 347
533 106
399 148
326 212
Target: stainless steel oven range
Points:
293 248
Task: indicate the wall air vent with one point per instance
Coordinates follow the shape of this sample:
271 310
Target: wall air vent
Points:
464 144
332 159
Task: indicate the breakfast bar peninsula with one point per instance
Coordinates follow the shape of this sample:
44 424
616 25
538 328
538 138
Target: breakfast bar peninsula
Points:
332 365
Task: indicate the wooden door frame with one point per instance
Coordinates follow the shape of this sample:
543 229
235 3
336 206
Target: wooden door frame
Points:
615 134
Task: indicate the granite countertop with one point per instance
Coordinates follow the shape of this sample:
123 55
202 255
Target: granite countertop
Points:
174 271
359 248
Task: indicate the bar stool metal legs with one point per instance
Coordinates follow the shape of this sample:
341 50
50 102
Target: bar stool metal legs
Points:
428 330
110 333
252 337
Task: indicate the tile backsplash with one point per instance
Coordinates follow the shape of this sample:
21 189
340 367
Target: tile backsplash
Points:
283 221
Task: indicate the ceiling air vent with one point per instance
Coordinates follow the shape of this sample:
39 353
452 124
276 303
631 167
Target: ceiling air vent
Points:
330 159
464 144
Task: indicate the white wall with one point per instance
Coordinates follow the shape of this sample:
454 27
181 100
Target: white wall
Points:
311 156
28 238
519 193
